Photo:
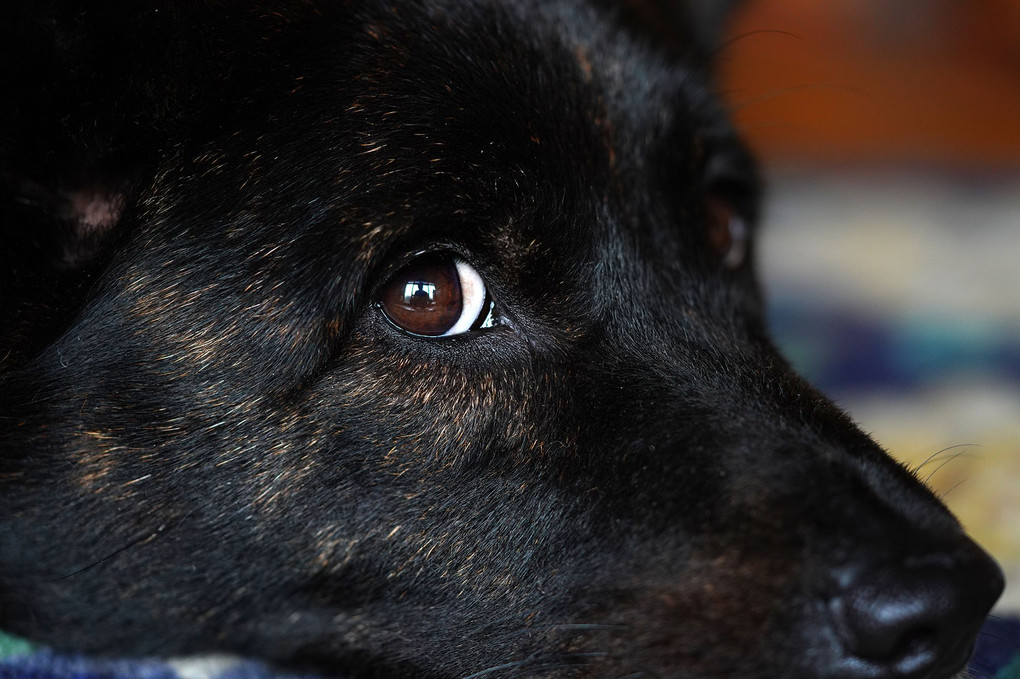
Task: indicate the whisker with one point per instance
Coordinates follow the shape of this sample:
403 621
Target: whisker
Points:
934 455
719 51
951 488
970 674
945 462
140 540
579 626
544 662
496 668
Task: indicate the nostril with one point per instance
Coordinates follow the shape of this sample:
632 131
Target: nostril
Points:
891 625
912 619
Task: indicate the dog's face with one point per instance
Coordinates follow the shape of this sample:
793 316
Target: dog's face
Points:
422 340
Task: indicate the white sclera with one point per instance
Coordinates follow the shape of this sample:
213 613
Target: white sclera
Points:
472 291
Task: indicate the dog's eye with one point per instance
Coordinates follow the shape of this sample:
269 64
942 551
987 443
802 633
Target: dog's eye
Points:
726 231
437 296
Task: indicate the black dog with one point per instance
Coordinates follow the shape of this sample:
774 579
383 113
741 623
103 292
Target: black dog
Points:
421 339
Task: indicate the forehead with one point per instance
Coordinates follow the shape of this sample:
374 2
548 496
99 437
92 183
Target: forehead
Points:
485 106
519 55
531 133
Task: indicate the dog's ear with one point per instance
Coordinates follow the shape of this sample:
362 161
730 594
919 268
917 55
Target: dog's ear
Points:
96 93
87 95
691 28
83 114
707 20
59 224
96 96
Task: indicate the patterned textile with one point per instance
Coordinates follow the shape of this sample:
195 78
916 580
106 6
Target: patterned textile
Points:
20 660
899 296
997 657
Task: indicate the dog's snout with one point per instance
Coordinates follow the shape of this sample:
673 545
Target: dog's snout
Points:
917 618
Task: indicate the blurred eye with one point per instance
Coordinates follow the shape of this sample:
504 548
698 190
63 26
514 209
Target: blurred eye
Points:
726 231
437 296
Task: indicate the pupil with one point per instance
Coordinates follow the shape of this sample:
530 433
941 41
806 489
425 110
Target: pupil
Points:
419 294
425 298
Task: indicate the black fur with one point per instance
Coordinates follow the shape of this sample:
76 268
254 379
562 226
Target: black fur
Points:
213 440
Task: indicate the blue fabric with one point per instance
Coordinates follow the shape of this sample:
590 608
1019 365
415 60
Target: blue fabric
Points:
45 664
998 650
997 656
843 350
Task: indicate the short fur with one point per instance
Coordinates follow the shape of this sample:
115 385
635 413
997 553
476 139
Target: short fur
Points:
213 440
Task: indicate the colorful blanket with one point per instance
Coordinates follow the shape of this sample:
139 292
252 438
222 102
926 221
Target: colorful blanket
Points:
21 660
997 657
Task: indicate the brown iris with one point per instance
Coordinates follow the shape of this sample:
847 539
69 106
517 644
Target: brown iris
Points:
425 298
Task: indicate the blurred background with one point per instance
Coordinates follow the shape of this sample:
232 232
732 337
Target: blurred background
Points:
890 137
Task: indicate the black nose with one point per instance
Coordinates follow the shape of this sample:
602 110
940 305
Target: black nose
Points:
918 618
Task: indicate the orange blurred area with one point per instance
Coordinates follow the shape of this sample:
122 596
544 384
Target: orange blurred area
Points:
889 132
850 82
